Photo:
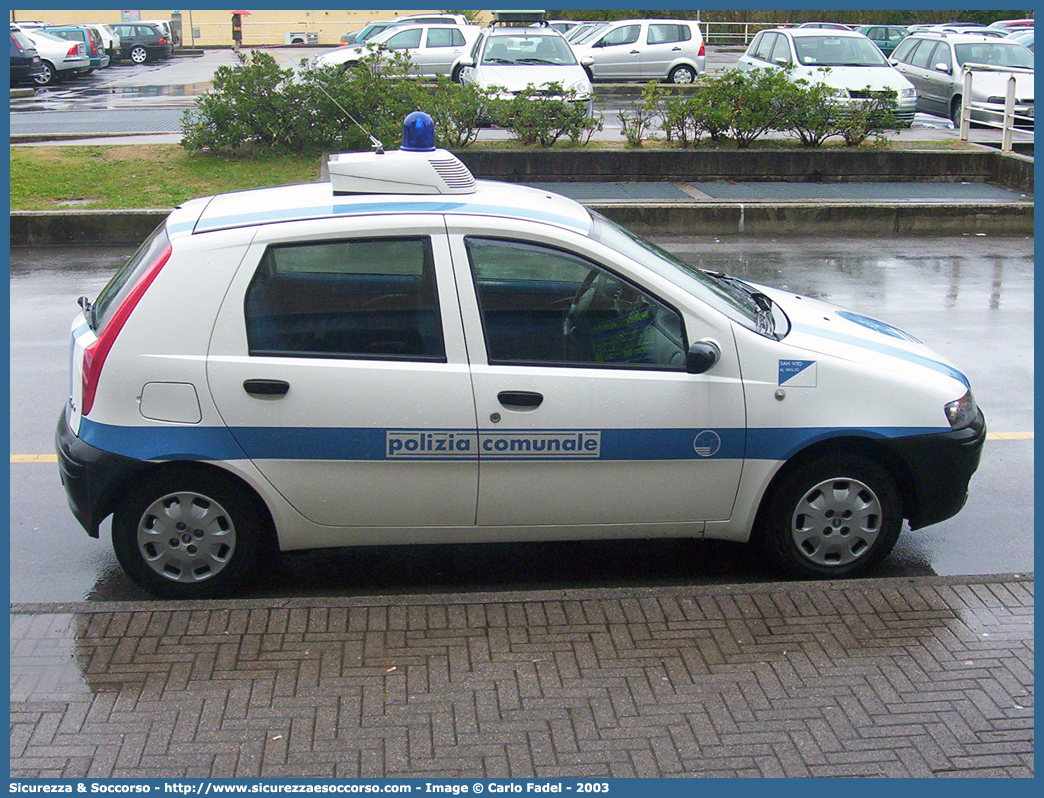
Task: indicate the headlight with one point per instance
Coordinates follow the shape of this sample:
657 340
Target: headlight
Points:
582 89
961 412
908 94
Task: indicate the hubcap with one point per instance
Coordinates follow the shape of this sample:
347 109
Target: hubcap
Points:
836 522
186 537
138 56
683 76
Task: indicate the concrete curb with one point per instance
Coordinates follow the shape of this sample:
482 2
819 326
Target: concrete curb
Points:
130 227
446 599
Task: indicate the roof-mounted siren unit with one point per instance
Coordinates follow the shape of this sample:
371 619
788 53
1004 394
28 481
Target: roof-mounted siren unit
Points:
415 168
518 19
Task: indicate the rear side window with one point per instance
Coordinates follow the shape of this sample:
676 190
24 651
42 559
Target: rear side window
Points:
665 34
360 298
113 294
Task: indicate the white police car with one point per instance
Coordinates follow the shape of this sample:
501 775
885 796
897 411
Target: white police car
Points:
405 354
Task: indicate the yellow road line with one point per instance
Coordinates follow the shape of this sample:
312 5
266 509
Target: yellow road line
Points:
53 458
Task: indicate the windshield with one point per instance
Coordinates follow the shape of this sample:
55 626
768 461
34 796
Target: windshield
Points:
1003 54
586 33
831 51
528 49
714 291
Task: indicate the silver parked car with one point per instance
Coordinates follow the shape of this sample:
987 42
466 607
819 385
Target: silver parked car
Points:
434 49
645 49
934 63
61 58
842 59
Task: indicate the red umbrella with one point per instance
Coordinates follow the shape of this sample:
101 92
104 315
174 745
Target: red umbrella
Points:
241 13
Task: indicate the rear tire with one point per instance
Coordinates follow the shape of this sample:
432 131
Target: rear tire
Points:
184 533
682 74
139 55
832 516
48 77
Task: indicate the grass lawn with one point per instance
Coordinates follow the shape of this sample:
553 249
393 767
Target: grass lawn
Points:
164 175
140 176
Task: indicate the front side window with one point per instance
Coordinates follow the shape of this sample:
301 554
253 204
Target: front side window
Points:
545 306
407 40
781 52
359 298
922 58
902 52
628 34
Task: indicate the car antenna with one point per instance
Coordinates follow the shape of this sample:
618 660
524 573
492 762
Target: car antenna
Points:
377 145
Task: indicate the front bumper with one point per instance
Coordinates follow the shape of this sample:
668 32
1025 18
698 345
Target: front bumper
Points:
90 476
939 468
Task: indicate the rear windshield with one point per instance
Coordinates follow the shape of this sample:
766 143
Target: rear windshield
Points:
113 294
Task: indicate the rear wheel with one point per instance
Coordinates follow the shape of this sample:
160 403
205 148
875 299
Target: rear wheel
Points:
832 516
189 534
682 74
48 76
139 55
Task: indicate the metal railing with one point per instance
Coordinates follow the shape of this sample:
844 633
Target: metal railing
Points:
1007 124
738 34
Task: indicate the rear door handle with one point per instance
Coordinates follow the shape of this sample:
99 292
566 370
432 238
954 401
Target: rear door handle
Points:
266 387
527 399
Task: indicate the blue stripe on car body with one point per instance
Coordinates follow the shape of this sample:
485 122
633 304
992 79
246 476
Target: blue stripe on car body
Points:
371 444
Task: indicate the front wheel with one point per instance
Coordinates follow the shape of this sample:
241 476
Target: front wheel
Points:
955 111
832 516
139 55
188 534
682 74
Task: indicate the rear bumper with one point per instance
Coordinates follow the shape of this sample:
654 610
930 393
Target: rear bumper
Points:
939 468
90 476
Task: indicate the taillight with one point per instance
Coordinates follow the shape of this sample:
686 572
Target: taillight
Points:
163 40
73 50
95 354
703 50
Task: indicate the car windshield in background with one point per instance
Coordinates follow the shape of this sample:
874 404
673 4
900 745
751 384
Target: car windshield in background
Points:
831 51
688 278
587 34
528 49
1001 54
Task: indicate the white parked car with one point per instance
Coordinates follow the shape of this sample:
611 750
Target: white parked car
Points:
61 58
844 60
515 57
110 41
405 354
644 49
434 49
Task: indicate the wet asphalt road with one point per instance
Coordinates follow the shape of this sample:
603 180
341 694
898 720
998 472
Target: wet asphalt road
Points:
971 298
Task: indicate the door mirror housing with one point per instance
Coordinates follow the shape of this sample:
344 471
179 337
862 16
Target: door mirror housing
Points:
940 67
702 356
466 61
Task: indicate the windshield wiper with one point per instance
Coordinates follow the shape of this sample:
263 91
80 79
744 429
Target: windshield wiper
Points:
760 303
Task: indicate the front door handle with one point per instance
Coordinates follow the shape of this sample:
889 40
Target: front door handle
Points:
266 387
520 399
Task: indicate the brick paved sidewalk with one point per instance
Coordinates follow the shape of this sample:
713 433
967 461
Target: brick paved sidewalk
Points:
883 677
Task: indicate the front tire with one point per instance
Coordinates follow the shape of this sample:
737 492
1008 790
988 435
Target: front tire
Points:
189 534
832 516
139 55
955 111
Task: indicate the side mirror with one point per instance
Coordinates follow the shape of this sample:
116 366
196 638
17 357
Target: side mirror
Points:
702 355
587 60
943 68
783 62
893 62
466 61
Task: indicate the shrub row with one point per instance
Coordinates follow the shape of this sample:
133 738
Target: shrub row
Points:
257 105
